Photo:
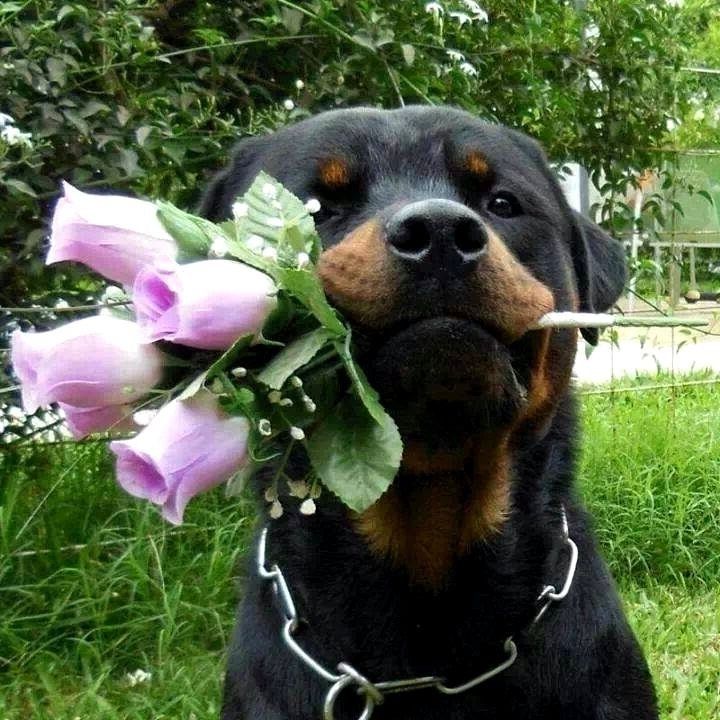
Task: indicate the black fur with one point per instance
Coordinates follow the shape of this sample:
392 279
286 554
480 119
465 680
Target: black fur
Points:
582 661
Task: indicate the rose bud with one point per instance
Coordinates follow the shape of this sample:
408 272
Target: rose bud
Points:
189 447
89 363
207 304
114 235
84 421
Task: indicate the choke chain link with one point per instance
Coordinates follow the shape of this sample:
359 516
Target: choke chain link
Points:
374 693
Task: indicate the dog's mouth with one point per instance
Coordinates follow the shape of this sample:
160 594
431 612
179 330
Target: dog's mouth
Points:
446 376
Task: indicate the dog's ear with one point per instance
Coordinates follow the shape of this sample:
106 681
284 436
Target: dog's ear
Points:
234 180
600 269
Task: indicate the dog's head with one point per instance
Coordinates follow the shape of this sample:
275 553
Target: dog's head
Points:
445 239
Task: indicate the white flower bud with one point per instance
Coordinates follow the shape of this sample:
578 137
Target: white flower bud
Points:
269 191
296 382
276 510
274 397
312 205
239 372
297 433
298 489
264 427
255 243
288 104
219 247
299 84
239 210
308 507
303 260
286 402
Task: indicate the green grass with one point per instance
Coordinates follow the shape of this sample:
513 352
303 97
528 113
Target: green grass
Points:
138 594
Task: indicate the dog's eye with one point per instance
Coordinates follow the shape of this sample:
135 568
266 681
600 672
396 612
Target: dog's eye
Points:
504 205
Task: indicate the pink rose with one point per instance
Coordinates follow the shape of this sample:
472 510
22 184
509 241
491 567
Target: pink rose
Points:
189 447
89 363
84 421
207 304
114 235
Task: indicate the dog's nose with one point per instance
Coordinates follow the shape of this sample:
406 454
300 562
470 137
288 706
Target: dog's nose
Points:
437 237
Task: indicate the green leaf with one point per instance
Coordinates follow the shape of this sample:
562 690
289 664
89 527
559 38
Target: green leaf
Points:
20 186
306 287
279 218
293 357
408 53
193 235
355 457
238 482
365 391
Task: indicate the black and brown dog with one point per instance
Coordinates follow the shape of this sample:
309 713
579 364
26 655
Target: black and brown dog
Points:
445 239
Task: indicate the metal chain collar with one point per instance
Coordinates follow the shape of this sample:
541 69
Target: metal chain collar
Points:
375 692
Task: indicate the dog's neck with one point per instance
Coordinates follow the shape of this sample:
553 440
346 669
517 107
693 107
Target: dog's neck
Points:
442 503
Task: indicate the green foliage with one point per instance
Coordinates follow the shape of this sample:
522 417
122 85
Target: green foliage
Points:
145 97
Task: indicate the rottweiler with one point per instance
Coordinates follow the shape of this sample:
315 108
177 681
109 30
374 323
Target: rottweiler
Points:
445 238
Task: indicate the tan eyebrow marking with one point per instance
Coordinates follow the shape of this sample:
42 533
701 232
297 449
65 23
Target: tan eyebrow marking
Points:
476 163
334 172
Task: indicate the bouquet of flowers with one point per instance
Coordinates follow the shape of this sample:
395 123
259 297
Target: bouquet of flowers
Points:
223 331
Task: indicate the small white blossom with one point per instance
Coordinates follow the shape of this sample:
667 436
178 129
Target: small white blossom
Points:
295 381
239 372
434 8
312 205
310 406
299 84
239 210
591 31
461 17
143 417
219 247
276 510
13 136
264 427
594 81
455 55
476 10
271 494
298 489
269 191
303 259
288 104
468 69
286 402
308 507
137 677
297 433
274 397
270 253
6 119
255 243
275 222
